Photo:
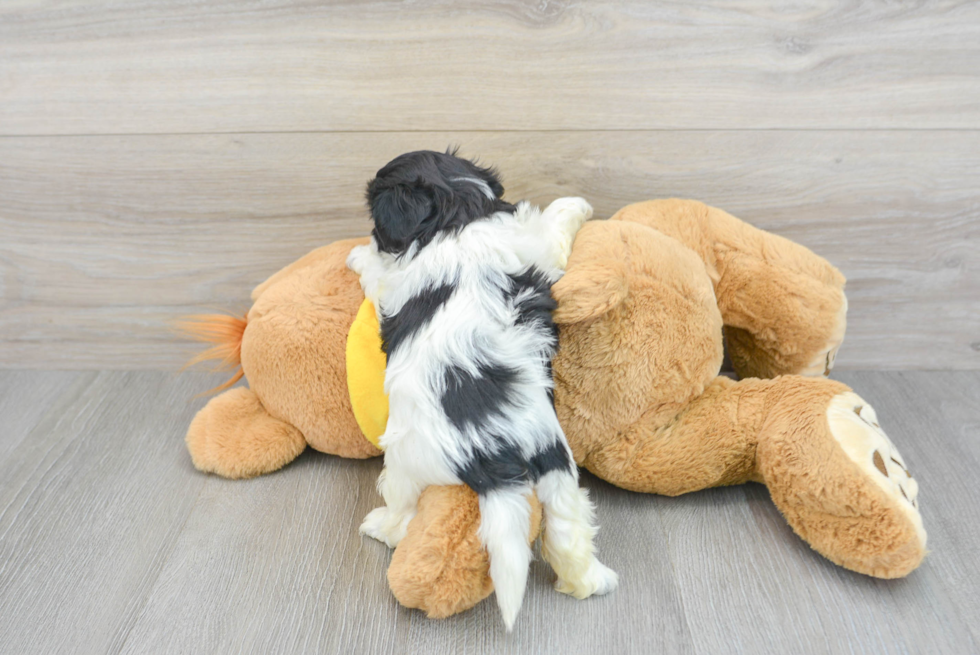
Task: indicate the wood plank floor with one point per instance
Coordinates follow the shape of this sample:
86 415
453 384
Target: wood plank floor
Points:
111 542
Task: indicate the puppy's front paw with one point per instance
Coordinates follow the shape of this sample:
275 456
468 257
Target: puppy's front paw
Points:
568 215
358 258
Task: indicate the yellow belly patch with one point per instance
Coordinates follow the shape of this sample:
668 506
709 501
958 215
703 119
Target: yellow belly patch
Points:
366 373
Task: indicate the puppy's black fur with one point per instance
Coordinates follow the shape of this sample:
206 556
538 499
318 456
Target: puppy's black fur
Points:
397 329
420 194
414 198
466 323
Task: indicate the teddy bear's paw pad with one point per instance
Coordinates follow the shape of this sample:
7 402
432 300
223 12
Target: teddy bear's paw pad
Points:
854 424
598 580
381 524
823 362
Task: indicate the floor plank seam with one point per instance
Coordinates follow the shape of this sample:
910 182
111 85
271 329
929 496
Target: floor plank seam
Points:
675 579
159 571
560 130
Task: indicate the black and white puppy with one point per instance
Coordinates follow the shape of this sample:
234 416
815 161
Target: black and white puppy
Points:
461 282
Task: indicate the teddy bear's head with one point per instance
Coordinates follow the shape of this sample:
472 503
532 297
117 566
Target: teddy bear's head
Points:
641 333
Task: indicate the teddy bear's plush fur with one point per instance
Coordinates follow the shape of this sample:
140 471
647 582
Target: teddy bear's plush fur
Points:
642 310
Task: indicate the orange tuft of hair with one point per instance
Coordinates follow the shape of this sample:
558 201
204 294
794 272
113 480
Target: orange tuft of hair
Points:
225 332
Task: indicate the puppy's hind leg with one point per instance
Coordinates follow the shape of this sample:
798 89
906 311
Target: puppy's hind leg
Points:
401 495
569 530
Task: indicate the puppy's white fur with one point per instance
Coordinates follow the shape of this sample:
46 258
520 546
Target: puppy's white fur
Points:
423 447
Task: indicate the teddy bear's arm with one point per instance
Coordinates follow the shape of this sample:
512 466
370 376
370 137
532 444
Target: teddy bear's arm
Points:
312 260
783 306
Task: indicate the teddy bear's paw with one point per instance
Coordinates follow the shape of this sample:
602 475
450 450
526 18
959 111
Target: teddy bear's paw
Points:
383 525
598 580
855 427
823 361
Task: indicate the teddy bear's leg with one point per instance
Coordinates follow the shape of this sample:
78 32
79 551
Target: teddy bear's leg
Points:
839 480
783 307
235 437
830 469
293 351
440 565
708 444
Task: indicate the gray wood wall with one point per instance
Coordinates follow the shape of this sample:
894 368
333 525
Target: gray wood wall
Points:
160 158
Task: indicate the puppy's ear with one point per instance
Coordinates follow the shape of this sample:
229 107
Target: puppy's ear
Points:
398 211
488 174
492 178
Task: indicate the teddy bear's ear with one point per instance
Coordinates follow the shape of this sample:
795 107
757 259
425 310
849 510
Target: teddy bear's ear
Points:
588 291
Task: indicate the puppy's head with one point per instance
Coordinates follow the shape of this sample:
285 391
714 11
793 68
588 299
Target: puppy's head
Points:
420 194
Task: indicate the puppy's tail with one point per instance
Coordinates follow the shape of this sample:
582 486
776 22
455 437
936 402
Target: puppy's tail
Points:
225 332
505 526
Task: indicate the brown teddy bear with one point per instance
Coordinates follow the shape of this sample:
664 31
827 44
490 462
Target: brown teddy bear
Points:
642 310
